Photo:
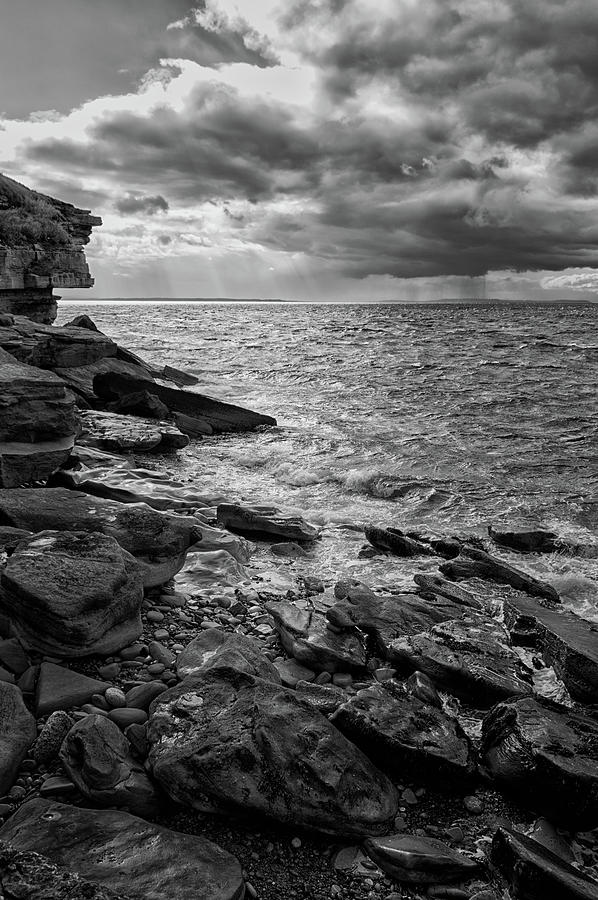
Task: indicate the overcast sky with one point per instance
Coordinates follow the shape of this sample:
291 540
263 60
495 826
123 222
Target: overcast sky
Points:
314 149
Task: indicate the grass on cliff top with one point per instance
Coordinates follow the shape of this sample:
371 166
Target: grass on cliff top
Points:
27 219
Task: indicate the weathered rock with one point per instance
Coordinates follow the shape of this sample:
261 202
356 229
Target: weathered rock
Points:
80 378
406 737
291 672
142 695
547 756
535 873
527 540
265 521
82 321
17 733
72 593
423 688
413 859
305 636
157 540
431 587
128 434
215 647
13 657
218 417
116 850
473 563
470 657
568 643
28 875
209 571
49 741
60 688
141 403
326 698
394 541
229 738
96 756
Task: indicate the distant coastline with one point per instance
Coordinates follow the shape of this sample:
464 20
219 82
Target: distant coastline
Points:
445 301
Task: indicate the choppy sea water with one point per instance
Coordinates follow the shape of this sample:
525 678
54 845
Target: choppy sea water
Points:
439 416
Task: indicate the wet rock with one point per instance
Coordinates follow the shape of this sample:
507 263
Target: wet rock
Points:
26 874
406 737
215 647
214 416
218 539
470 657
396 542
81 378
227 738
265 521
50 738
473 563
546 834
13 657
431 587
422 687
142 695
72 594
128 434
121 852
419 860
568 643
547 756
210 570
97 758
158 541
288 550
325 698
140 403
535 873
17 733
305 635
527 540
60 688
128 716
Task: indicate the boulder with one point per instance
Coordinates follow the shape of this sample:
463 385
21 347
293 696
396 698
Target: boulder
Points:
125 854
568 643
265 521
128 434
215 415
80 378
225 738
49 741
407 738
547 756
215 647
72 594
61 688
26 874
209 572
50 347
413 859
391 540
432 587
305 636
97 758
535 873
157 540
473 563
17 733
526 540
469 657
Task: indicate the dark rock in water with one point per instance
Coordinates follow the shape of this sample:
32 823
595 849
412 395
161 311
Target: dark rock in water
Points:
49 740
406 737
412 859
528 540
96 756
27 875
73 594
394 541
157 540
17 733
547 756
178 377
473 563
568 643
141 403
534 873
60 688
431 587
470 657
217 416
227 738
128 434
266 521
422 687
134 858
83 321
219 648
305 636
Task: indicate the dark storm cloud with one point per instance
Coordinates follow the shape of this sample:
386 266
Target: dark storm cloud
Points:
133 203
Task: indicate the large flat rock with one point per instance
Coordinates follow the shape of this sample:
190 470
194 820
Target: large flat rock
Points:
305 635
128 434
265 521
473 563
125 854
61 688
157 540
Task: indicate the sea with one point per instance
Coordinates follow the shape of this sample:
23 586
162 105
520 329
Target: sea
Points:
440 417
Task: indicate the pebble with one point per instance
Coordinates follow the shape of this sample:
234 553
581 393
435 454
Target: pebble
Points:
161 654
455 834
384 674
160 634
473 805
409 797
342 679
296 843
400 823
133 651
100 701
115 698
156 668
154 615
128 716
57 784
110 670
5 809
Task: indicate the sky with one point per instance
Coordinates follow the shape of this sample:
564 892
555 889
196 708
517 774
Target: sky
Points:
314 149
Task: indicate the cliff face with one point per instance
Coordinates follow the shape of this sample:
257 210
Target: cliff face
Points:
41 248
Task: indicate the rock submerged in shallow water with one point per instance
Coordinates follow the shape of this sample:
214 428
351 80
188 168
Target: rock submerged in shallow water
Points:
406 737
72 594
215 647
432 587
227 738
96 757
535 873
547 756
265 521
411 859
527 540
17 733
125 854
473 563
394 541
305 635
128 434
